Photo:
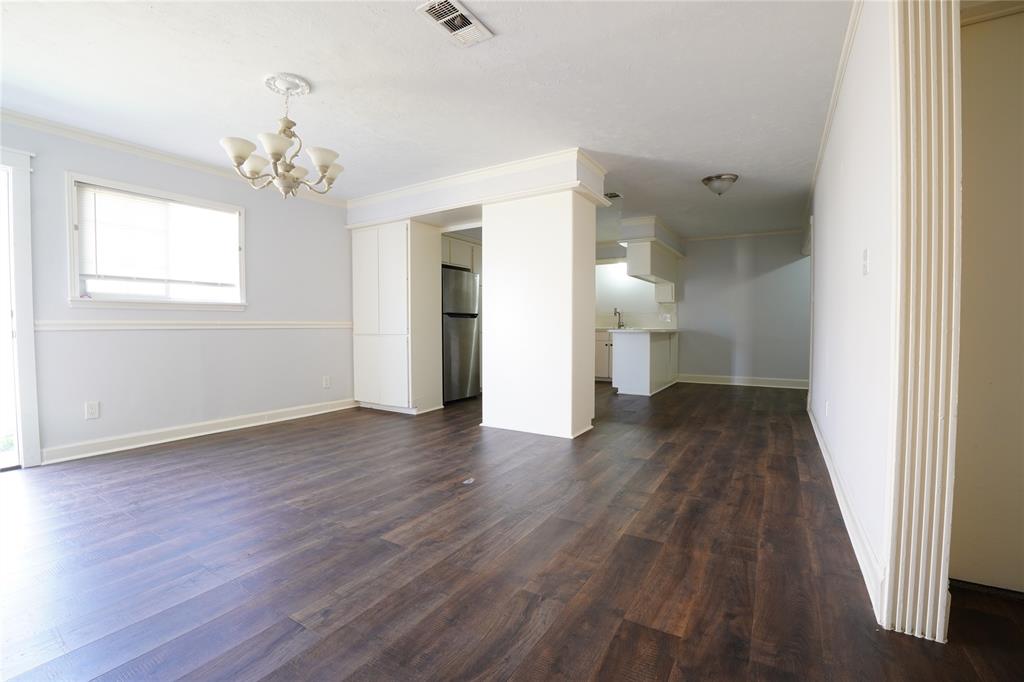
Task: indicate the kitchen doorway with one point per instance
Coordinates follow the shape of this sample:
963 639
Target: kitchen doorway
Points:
10 452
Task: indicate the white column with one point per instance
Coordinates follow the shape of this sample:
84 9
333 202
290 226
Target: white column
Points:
538 314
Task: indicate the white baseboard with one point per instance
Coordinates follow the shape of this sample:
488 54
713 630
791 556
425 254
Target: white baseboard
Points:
654 392
726 380
400 410
871 569
102 446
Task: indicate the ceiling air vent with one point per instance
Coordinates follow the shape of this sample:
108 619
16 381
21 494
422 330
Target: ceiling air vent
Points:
612 195
455 20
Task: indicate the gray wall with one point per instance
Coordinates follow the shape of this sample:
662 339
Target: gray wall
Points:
744 309
298 268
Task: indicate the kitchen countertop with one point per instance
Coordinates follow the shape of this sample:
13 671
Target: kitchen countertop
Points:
641 330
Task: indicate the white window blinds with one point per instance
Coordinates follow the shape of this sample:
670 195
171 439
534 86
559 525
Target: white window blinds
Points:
137 247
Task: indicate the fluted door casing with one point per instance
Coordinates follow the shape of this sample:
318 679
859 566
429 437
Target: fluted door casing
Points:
928 312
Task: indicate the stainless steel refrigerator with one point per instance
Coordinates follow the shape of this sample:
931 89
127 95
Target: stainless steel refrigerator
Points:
460 330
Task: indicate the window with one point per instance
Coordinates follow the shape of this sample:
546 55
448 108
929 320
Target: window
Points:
136 246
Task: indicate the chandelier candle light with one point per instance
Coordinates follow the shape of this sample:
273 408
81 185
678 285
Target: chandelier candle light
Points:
282 172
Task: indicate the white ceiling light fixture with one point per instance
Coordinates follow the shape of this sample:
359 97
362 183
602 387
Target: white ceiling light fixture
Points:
720 184
282 172
452 17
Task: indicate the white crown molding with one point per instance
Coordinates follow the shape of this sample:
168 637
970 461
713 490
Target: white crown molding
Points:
871 568
727 380
837 86
633 240
574 154
574 186
117 144
160 325
746 235
639 221
102 446
977 12
589 161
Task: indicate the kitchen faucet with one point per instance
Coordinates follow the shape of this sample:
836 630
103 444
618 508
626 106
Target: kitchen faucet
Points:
618 318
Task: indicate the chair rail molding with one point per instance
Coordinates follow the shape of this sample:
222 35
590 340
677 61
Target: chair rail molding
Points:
926 316
151 325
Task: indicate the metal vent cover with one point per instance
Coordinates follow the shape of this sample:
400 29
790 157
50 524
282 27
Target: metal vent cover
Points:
452 17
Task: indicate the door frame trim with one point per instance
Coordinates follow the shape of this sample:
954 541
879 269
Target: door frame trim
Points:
20 164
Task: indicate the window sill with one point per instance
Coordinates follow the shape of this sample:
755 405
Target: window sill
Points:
152 305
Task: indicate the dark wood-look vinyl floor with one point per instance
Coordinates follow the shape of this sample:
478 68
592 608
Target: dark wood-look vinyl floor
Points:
693 535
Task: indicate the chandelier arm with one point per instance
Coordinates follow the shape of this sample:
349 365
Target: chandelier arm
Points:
297 149
269 180
251 178
312 187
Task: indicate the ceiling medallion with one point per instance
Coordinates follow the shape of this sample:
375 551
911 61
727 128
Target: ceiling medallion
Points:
282 172
720 184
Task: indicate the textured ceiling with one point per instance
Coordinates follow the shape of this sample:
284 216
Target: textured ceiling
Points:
660 93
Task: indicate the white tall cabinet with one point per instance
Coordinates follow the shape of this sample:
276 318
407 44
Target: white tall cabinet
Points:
396 316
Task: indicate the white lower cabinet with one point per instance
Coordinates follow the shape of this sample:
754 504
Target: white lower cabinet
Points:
393 370
365 372
603 355
381 369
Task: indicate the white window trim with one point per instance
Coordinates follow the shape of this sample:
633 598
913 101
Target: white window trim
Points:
75 301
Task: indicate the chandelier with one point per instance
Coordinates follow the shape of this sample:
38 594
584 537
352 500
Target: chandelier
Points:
280 169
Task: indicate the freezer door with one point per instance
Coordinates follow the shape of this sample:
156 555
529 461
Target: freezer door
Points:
461 348
460 292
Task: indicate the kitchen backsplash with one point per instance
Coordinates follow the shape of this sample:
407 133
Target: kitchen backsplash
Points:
664 319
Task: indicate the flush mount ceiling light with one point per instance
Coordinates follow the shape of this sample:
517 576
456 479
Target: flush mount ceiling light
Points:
282 172
720 184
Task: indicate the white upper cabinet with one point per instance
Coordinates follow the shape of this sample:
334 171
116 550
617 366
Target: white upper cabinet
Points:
380 279
365 282
393 255
460 253
478 259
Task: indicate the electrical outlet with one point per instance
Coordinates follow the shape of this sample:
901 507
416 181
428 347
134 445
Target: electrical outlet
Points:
865 265
92 409
326 381
826 408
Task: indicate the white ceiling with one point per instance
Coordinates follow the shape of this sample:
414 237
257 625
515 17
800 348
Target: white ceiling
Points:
660 93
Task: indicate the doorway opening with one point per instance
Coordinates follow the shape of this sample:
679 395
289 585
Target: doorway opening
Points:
10 451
